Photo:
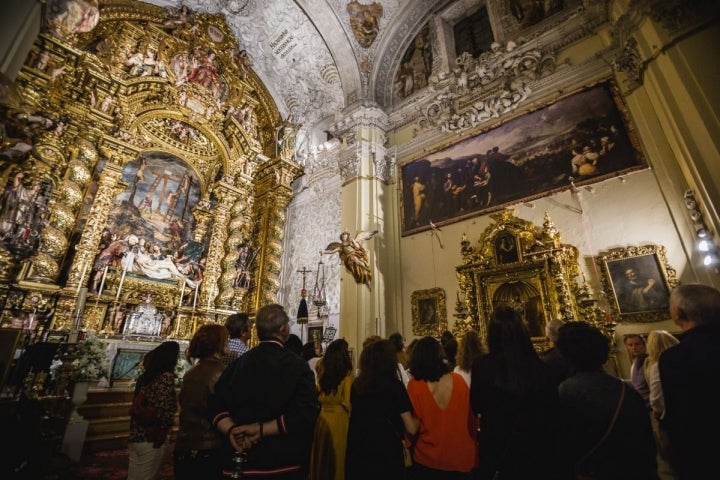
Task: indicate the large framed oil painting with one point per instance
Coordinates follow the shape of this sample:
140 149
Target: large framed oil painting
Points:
638 281
580 139
152 218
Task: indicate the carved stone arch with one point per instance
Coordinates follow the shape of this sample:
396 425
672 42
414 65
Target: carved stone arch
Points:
392 47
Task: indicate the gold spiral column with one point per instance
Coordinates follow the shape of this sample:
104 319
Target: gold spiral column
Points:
240 227
225 194
44 266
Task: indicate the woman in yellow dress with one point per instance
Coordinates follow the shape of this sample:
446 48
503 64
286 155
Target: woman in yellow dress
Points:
334 378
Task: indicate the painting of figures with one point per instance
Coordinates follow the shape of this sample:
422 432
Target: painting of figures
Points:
150 229
578 140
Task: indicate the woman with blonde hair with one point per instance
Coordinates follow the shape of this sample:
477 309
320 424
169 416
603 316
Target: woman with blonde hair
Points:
468 350
657 342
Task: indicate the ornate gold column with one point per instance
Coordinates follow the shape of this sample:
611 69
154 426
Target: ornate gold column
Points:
44 266
240 229
225 194
273 189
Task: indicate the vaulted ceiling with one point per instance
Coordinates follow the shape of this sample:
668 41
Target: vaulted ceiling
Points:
307 55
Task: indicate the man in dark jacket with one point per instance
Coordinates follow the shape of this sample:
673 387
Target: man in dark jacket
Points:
266 403
690 378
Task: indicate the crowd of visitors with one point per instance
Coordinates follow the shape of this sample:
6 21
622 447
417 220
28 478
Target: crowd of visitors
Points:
494 412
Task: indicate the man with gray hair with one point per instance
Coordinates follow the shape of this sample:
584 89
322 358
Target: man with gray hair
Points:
690 378
266 403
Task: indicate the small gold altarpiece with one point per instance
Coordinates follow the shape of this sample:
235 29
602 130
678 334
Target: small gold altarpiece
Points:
518 264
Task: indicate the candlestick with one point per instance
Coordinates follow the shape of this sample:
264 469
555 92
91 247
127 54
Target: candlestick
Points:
102 281
122 279
77 321
82 277
196 293
182 293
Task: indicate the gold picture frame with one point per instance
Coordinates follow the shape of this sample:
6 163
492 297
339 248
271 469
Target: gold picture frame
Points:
638 281
429 312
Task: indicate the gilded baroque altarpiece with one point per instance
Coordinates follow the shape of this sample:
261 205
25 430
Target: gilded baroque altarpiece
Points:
143 193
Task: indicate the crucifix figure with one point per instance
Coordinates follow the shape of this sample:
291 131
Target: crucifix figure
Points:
302 315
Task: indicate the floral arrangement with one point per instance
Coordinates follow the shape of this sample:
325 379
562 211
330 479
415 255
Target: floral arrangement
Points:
181 368
88 360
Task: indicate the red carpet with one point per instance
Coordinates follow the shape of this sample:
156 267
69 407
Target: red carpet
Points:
113 464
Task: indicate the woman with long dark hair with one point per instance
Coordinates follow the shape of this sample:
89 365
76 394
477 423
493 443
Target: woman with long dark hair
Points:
381 414
515 395
198 449
335 378
153 411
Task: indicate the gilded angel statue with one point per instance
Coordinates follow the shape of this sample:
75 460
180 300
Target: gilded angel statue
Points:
354 255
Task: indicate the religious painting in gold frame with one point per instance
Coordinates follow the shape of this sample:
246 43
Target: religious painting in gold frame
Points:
638 281
526 267
522 288
429 312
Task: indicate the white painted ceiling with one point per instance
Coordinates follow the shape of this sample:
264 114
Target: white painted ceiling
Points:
322 68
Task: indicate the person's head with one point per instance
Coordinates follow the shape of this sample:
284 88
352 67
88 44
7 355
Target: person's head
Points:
631 274
507 331
238 325
370 339
294 344
692 305
450 348
309 351
446 337
161 359
583 346
397 340
469 348
209 340
334 365
552 329
378 366
657 342
428 360
272 323
635 344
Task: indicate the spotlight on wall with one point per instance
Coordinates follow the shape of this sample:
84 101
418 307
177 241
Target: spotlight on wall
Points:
705 243
711 259
700 230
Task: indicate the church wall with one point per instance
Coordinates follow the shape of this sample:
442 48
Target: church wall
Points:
314 220
674 113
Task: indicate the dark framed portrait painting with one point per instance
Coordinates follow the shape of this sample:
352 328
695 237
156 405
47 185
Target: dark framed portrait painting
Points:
429 312
638 281
315 334
579 139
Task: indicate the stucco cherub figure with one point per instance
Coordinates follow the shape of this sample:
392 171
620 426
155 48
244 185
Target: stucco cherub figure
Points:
354 255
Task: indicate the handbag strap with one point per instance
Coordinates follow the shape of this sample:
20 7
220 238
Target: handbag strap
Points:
609 429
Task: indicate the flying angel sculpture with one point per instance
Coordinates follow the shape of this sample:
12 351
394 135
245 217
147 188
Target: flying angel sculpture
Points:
354 255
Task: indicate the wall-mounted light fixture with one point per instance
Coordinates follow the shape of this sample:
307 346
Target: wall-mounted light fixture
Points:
705 243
